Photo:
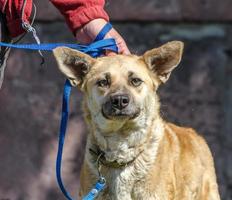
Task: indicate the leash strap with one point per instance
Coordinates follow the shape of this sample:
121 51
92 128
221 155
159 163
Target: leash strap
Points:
103 32
95 49
63 126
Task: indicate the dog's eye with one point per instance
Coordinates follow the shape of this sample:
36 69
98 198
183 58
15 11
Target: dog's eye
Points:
102 83
136 82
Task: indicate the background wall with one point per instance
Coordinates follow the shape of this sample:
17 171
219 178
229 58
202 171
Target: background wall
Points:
198 94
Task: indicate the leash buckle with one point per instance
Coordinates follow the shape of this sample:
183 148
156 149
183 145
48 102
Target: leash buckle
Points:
30 29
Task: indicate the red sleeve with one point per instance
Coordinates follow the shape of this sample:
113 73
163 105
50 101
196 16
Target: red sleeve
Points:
13 9
76 12
79 12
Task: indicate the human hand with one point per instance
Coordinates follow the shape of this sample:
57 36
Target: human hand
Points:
89 32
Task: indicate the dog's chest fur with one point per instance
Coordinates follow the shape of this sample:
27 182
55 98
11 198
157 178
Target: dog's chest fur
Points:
125 184
128 182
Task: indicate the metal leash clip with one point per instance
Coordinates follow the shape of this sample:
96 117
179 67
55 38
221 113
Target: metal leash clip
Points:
99 164
99 186
30 29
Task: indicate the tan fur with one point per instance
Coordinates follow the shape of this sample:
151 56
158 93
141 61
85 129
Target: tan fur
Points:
161 161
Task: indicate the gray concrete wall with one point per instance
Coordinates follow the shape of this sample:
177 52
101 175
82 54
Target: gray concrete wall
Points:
198 94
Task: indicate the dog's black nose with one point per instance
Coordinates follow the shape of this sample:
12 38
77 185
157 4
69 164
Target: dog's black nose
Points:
119 101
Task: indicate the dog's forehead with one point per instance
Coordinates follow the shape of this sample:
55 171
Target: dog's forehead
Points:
120 64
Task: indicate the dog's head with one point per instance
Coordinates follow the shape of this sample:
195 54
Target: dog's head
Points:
121 88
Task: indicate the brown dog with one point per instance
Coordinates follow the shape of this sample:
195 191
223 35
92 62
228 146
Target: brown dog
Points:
142 157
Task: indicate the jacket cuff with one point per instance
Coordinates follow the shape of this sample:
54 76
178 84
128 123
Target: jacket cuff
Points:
84 16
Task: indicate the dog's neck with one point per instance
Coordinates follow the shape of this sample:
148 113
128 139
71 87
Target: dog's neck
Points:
136 152
122 141
122 147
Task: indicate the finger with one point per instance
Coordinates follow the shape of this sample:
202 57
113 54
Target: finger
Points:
121 44
110 53
122 47
125 51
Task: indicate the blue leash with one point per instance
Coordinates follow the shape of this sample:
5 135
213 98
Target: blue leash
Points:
103 32
94 49
94 52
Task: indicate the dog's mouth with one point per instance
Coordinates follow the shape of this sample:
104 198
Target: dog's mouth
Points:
115 114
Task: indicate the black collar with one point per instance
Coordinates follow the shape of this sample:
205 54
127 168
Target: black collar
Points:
99 155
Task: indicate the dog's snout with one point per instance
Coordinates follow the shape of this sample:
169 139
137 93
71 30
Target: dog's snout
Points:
120 101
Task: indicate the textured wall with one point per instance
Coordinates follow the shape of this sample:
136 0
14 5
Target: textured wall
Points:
198 94
150 10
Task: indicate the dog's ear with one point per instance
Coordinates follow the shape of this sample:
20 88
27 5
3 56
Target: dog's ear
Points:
164 59
74 64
